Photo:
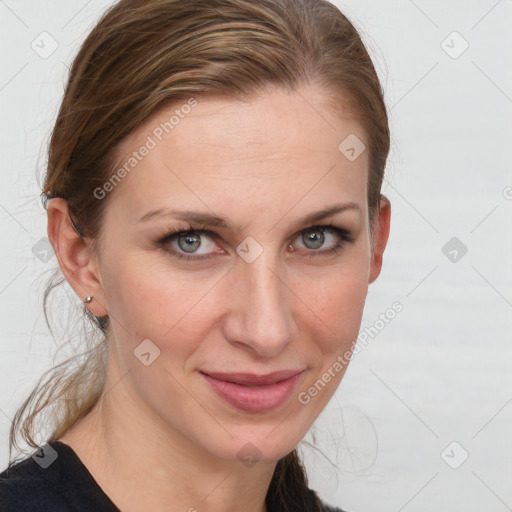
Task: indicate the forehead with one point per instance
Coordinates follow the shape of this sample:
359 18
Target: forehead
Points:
278 143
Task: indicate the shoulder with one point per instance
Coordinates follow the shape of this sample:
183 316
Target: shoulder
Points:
52 479
27 485
327 508
323 506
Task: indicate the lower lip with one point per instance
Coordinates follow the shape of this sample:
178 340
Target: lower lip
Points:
257 398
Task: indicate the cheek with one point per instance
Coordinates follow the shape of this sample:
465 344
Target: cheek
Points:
148 302
339 320
337 307
335 301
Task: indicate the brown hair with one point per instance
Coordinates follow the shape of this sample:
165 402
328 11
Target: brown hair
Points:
145 54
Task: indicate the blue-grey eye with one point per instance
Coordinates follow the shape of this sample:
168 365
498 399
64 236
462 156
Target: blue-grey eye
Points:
191 243
316 236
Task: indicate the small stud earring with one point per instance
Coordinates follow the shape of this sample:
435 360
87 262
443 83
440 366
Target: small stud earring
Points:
87 299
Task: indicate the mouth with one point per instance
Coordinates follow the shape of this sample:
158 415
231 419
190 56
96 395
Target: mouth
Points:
254 393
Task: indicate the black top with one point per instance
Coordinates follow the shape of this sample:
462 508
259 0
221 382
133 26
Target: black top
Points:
54 479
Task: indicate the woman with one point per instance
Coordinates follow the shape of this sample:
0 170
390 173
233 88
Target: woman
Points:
213 197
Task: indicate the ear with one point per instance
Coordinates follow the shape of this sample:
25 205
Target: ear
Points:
380 234
77 259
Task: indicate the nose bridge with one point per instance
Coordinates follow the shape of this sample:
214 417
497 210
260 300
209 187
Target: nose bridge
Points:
262 286
264 320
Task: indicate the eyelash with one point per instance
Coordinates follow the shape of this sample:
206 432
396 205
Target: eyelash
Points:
344 236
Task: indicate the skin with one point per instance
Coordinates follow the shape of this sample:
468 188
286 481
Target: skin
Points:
262 164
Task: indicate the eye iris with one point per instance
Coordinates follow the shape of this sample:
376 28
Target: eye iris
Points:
192 242
316 236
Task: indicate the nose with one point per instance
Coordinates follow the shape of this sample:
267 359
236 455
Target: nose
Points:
260 318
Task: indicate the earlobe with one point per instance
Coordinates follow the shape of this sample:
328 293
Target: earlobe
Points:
75 255
380 238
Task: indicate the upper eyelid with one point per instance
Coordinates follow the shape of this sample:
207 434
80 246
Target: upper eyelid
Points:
328 227
213 233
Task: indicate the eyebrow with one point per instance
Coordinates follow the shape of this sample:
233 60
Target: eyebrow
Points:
212 220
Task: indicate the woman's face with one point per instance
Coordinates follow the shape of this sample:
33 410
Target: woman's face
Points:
262 291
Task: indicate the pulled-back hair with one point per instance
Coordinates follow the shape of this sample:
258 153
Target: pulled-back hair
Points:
145 54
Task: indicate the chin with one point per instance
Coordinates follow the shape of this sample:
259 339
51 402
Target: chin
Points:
251 447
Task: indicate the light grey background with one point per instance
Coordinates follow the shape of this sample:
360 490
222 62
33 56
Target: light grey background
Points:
441 370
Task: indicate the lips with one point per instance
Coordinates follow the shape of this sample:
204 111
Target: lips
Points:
249 379
254 393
